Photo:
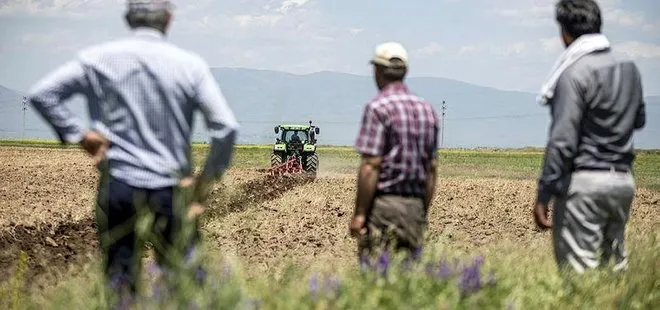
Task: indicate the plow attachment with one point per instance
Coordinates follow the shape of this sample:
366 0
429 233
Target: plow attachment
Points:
291 166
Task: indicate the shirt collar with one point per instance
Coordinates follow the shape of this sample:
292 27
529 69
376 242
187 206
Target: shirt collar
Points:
146 32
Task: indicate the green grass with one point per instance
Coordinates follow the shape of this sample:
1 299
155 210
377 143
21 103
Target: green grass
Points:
522 163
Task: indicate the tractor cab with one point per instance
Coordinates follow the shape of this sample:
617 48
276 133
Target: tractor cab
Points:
296 133
296 143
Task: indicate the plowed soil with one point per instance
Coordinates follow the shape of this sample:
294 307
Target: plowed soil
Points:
46 198
50 248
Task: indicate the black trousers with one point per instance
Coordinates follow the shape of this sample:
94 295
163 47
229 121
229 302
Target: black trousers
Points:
128 217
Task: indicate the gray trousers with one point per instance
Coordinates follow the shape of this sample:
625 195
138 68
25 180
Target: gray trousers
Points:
394 223
591 220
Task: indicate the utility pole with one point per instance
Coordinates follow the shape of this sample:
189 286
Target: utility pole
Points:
24 109
442 125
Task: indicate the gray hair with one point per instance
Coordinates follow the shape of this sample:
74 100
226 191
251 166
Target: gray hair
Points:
153 19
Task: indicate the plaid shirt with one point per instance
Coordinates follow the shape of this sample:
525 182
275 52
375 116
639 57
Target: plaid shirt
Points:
403 129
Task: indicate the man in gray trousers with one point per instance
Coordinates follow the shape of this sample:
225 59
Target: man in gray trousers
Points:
596 103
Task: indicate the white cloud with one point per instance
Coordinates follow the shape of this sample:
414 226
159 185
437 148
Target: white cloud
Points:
38 38
54 38
288 5
468 49
269 17
551 45
543 15
534 11
56 8
623 18
355 31
638 50
652 28
257 20
431 49
516 48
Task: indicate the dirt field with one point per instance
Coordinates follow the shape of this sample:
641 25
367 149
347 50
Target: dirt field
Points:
47 197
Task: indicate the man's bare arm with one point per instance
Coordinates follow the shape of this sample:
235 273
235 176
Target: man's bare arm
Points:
367 180
430 184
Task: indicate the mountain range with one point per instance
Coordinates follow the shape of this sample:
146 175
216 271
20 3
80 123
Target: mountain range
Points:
475 116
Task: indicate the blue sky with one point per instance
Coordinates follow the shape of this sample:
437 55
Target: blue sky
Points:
506 44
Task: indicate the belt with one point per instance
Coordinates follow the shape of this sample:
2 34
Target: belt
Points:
602 169
405 195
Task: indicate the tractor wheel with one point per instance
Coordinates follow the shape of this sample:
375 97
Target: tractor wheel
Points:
275 159
312 163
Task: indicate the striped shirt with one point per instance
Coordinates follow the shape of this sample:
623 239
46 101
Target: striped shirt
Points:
402 128
142 93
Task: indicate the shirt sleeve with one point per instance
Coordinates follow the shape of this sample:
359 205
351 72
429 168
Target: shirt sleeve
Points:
436 132
47 97
370 140
220 122
640 116
567 112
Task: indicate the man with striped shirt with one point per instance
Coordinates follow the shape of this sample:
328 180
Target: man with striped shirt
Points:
142 93
398 144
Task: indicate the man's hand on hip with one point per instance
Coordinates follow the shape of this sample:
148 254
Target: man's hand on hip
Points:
96 145
541 216
195 208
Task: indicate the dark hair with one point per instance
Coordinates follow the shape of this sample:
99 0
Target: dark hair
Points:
578 17
397 72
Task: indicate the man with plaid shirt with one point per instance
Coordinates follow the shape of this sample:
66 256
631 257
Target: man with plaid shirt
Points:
398 141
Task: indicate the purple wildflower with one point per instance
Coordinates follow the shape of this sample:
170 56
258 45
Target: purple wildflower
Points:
412 258
445 271
365 264
200 274
470 279
313 285
191 253
383 262
333 284
429 268
125 302
155 269
417 254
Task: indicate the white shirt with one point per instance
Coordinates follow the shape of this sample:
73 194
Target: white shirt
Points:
142 92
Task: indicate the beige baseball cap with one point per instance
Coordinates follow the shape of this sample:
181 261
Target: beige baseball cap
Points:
149 5
390 54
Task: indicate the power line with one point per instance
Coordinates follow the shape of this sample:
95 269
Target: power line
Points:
499 116
24 110
504 116
442 125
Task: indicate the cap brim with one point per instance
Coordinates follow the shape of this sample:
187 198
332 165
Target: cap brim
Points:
168 6
381 62
387 64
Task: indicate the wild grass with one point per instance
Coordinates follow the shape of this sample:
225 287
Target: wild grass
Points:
509 278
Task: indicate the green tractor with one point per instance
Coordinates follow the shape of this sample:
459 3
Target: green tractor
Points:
295 149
